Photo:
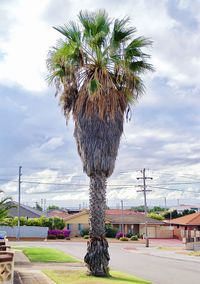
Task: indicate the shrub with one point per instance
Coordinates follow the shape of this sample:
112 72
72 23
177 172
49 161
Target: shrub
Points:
129 235
155 216
51 237
23 221
134 238
84 232
58 223
110 231
61 236
86 237
124 239
65 233
119 235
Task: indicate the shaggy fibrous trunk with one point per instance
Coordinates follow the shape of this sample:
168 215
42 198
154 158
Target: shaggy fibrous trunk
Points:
97 257
98 142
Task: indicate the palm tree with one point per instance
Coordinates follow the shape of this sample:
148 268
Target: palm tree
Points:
5 205
96 70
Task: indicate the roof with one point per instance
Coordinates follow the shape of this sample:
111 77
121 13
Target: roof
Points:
25 211
115 217
58 213
136 218
191 219
125 212
72 216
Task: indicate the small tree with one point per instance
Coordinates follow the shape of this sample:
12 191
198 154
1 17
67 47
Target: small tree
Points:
53 207
155 216
38 207
5 205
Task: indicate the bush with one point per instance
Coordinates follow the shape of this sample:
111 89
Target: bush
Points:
124 239
23 221
84 232
110 231
65 233
129 235
119 235
86 237
61 236
155 216
58 223
51 237
134 238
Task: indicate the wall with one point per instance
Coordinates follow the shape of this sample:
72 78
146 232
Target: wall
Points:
157 231
25 231
81 219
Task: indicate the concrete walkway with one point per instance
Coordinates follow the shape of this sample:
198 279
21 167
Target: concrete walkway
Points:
27 272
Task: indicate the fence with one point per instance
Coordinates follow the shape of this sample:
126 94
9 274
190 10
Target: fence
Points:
25 231
190 236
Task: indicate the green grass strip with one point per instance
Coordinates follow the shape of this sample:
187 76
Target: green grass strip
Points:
37 254
80 277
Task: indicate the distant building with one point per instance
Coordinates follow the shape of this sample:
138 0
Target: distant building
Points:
185 223
133 222
25 211
180 208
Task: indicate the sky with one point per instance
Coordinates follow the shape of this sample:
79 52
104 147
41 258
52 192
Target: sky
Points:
163 135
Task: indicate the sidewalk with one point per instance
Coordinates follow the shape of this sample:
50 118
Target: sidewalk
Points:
27 272
178 253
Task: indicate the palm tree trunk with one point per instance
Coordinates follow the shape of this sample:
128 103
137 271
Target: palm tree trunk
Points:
97 256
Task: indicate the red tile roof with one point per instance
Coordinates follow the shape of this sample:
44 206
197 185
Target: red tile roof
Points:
57 213
191 219
125 212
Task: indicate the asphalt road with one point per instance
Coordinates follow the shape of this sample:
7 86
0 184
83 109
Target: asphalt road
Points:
160 269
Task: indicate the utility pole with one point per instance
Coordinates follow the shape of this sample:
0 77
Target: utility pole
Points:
122 217
144 178
19 201
165 198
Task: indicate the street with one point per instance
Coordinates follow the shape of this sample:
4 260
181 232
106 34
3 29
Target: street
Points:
160 267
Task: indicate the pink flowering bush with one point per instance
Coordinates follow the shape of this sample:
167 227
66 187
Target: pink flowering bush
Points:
65 233
119 235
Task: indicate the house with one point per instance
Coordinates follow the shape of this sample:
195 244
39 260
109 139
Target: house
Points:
25 211
180 208
185 224
77 222
133 222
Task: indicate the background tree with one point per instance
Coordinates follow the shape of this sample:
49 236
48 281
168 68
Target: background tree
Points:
96 69
5 205
38 207
53 207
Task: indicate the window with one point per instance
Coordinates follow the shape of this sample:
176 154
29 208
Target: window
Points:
69 226
80 227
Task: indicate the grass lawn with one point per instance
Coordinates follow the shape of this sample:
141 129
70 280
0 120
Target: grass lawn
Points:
37 254
194 253
169 248
80 277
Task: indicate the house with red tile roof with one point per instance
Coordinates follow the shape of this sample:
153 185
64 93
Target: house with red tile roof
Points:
131 222
185 224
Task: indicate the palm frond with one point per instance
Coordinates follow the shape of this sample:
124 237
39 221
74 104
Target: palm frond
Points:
96 27
139 67
134 48
121 32
70 31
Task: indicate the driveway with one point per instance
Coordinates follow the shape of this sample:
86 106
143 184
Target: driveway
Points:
158 266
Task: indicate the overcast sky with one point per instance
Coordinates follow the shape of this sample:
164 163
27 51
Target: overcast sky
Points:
163 135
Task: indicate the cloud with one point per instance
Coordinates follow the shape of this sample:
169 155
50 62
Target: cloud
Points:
163 133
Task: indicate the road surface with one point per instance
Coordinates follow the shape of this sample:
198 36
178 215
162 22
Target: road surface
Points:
160 267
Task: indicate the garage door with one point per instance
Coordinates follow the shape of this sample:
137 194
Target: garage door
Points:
151 232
